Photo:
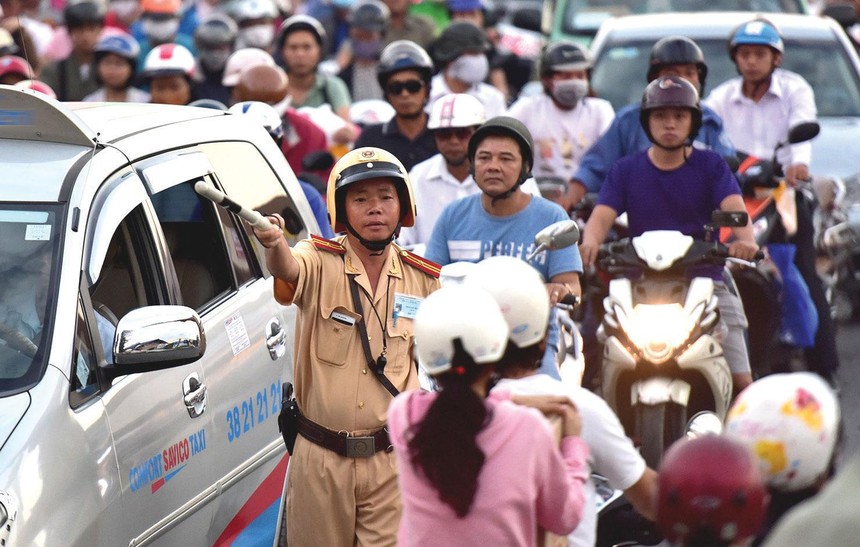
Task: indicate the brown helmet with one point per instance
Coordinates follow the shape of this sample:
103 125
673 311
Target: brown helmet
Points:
262 83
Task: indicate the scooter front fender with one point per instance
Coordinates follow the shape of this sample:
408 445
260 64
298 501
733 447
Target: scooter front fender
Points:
658 390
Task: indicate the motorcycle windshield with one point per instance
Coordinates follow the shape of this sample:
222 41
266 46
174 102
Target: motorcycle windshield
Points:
29 253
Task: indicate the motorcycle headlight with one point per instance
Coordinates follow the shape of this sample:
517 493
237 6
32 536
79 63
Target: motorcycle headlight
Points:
657 330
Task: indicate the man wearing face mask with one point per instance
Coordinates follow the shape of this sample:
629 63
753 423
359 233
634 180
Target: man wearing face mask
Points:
461 50
214 38
367 22
159 24
256 20
564 121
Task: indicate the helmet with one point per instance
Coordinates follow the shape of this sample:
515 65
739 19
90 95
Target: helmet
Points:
456 110
83 13
520 293
403 55
791 423
677 50
370 15
459 313
301 22
167 7
7 43
508 127
242 59
168 60
670 91
214 31
37 85
759 32
118 43
565 55
12 64
365 163
710 491
246 10
263 114
264 83
209 103
458 38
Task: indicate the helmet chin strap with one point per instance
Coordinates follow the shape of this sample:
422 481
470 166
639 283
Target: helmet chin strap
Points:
375 247
509 192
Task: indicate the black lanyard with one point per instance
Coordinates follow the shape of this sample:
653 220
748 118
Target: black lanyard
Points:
376 365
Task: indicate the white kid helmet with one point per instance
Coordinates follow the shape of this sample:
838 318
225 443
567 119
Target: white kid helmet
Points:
168 60
456 110
519 292
458 313
242 59
791 423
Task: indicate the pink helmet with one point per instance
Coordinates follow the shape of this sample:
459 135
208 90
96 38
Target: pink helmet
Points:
12 64
242 59
37 85
711 492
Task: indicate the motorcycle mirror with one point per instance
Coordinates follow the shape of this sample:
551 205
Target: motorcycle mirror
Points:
729 219
802 132
559 235
704 423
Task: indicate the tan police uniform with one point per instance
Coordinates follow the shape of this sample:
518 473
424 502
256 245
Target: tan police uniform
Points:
333 500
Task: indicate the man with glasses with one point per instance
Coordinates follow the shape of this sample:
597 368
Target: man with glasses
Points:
404 72
447 176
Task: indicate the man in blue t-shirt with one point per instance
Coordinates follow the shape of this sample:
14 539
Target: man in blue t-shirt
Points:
670 56
503 220
674 186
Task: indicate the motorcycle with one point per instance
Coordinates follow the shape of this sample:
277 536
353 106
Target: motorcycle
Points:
661 333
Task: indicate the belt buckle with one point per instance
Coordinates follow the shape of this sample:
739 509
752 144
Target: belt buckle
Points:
360 447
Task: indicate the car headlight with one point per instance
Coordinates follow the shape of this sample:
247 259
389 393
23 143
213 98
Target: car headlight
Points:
657 330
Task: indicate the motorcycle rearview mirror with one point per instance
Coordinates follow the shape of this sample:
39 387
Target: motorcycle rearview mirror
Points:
704 423
729 219
802 132
558 235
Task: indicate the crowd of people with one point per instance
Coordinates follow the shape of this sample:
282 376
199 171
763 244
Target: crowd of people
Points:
438 167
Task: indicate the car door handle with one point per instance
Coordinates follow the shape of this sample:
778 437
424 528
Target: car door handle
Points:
194 395
276 339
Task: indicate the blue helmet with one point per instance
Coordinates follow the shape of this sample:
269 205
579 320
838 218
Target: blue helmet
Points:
759 32
119 43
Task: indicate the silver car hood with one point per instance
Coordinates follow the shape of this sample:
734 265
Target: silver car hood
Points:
11 410
829 157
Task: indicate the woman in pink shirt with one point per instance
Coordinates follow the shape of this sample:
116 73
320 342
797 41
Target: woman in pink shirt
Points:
474 470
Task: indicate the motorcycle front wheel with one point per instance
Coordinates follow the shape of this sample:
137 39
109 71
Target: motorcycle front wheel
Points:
658 426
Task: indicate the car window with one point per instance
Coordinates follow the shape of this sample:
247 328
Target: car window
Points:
29 254
84 361
825 65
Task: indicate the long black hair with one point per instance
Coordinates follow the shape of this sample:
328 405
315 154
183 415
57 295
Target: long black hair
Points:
444 444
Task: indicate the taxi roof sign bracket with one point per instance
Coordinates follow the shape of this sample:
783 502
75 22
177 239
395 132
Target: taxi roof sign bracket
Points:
29 115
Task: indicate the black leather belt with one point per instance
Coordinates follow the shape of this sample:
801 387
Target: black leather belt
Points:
343 443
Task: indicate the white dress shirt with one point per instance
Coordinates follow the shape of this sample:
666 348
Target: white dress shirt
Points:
757 127
434 187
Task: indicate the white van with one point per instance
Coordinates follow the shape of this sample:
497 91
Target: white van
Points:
141 351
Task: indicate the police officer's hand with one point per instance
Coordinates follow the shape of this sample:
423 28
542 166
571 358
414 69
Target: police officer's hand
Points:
796 174
744 250
271 237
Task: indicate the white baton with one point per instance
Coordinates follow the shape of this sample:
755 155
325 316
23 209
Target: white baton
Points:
253 218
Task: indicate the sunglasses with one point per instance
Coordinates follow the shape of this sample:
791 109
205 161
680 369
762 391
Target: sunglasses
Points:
411 86
462 133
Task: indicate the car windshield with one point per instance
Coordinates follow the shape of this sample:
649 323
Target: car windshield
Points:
29 251
824 64
585 16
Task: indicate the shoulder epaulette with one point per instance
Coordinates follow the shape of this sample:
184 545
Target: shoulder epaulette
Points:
426 266
324 244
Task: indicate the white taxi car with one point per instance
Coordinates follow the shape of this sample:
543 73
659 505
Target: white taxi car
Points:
141 351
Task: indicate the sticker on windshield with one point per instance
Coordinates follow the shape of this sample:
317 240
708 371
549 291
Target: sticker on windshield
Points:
237 333
38 232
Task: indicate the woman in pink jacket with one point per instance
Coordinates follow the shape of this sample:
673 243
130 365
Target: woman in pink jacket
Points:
474 470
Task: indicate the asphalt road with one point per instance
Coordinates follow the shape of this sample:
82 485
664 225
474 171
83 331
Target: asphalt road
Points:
848 340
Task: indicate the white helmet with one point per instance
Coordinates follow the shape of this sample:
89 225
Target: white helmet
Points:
791 423
455 272
168 60
458 313
246 10
456 110
263 114
241 59
520 293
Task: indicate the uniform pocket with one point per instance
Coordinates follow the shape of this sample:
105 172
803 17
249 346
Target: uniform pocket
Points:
335 332
399 345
